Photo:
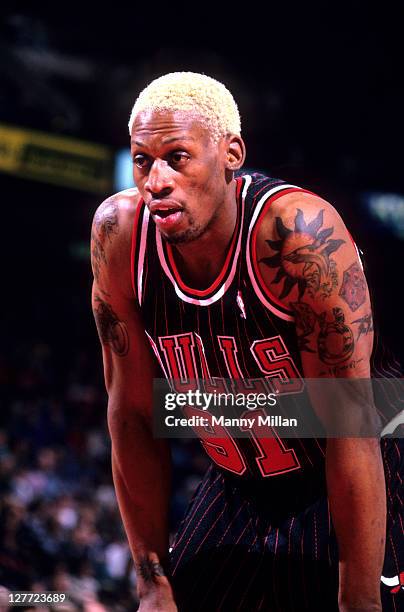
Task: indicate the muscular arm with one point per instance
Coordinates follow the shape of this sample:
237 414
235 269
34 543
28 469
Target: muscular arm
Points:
309 262
140 464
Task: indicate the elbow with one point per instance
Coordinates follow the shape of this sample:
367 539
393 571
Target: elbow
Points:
125 421
114 418
117 417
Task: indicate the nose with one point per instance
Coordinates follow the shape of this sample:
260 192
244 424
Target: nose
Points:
159 181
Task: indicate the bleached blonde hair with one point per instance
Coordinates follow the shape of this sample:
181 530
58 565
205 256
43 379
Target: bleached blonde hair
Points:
208 99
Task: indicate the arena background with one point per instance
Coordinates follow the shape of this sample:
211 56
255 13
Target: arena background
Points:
321 102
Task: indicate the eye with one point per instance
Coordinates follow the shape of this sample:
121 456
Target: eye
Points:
140 160
179 158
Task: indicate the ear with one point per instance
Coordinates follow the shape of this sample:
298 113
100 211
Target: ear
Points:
235 152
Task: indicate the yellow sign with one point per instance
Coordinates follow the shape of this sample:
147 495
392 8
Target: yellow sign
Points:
56 159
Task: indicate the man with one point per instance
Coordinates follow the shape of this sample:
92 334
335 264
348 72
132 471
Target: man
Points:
202 274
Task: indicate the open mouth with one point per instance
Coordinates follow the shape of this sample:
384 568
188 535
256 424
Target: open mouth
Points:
165 212
167 217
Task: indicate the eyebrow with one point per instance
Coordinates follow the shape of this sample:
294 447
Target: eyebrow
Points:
164 141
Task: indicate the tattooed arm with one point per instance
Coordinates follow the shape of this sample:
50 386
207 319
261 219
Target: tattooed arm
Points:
307 259
140 464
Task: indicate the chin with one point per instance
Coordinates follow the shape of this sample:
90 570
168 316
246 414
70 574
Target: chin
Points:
184 237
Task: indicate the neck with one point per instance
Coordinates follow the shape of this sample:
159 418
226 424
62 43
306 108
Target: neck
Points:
200 262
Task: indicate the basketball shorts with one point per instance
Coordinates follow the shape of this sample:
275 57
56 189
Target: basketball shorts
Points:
234 552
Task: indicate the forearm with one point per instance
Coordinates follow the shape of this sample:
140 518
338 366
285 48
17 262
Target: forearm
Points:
141 473
356 491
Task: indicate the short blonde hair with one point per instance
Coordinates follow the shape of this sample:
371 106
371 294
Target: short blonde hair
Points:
189 91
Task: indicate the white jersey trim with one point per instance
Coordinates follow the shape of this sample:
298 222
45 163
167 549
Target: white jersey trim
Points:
142 252
254 283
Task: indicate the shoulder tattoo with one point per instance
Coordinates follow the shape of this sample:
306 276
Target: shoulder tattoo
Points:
303 256
105 225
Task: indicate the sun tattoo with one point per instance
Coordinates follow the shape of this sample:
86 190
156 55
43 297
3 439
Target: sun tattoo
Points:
303 257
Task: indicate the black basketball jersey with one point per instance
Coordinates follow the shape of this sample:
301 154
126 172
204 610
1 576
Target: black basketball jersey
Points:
234 329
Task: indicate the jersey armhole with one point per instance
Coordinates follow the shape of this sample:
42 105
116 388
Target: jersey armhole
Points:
266 297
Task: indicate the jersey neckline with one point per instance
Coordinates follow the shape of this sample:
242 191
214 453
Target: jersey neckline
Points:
217 288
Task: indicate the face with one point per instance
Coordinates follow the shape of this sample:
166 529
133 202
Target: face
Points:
180 173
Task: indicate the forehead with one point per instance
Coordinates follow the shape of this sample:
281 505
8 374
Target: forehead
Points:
166 125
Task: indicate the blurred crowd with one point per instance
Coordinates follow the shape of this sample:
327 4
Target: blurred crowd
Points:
60 528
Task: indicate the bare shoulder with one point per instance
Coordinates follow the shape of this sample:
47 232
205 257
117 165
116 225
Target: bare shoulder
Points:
117 211
303 248
302 205
111 237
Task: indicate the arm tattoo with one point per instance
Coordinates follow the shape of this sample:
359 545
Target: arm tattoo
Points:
112 331
303 257
365 325
105 225
305 319
148 569
335 339
335 370
353 288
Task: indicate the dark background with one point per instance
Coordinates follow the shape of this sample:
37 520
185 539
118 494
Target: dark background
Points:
321 98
